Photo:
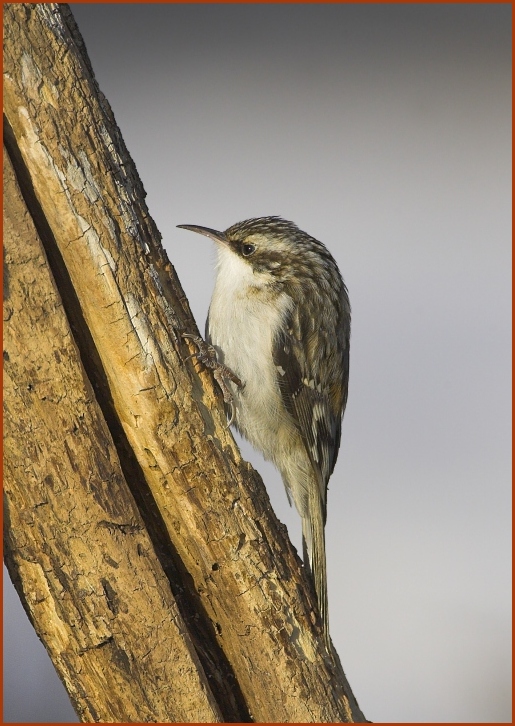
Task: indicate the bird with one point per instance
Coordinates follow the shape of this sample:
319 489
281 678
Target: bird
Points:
278 328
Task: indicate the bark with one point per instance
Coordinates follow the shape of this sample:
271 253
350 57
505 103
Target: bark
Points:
76 542
143 547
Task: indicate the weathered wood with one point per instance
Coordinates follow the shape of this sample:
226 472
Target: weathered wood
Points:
76 544
243 594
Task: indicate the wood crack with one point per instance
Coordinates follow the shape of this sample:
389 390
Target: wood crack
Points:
201 629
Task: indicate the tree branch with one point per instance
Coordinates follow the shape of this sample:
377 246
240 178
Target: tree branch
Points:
117 450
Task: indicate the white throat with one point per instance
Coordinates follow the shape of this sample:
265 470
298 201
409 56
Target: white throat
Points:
245 314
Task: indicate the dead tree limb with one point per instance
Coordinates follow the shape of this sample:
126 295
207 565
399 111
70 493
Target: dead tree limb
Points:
143 547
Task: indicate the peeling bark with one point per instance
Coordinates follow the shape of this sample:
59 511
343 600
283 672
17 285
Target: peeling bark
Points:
76 543
143 547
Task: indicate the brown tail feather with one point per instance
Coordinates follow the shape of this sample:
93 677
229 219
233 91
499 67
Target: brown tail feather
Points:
313 542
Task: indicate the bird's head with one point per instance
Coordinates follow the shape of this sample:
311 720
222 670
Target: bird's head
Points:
274 249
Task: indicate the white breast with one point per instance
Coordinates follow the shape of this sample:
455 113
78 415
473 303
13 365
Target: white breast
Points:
243 318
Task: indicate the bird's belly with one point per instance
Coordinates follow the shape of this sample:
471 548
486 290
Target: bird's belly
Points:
242 329
261 417
244 344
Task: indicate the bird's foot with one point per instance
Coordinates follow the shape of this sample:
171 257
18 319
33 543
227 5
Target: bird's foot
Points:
207 356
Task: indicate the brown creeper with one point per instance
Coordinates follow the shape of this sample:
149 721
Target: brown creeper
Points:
279 319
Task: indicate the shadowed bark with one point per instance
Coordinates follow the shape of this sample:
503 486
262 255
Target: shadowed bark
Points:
144 549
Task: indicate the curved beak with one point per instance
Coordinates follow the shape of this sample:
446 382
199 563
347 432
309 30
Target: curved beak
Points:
206 231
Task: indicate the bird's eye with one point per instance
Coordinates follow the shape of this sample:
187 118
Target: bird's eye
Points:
247 250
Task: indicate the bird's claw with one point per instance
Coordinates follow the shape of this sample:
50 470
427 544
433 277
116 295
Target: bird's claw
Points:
207 356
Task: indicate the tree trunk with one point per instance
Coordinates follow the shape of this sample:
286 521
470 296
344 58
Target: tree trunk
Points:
143 547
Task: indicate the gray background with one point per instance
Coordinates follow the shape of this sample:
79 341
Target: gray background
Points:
384 131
